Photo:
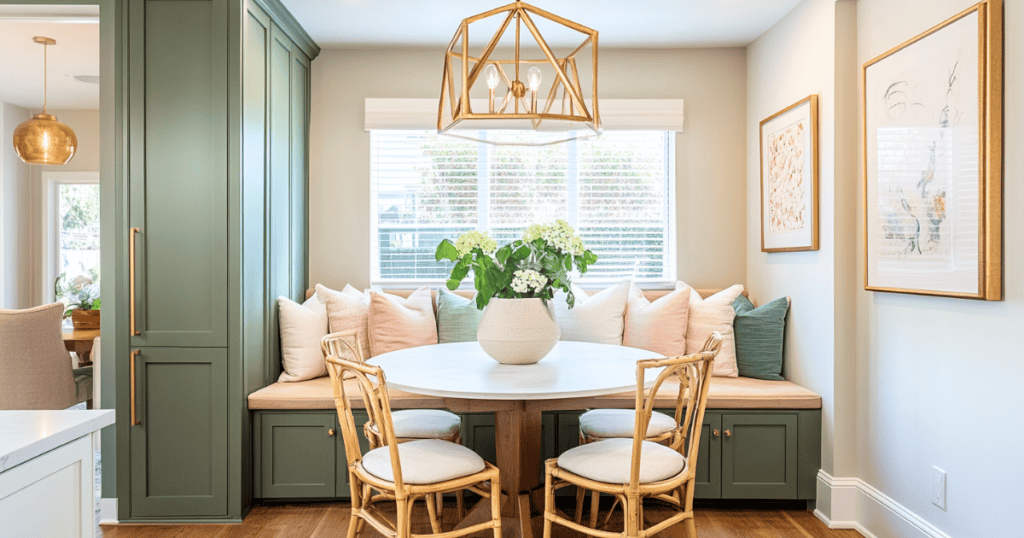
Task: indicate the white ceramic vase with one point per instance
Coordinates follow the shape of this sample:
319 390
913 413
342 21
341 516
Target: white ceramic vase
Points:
518 331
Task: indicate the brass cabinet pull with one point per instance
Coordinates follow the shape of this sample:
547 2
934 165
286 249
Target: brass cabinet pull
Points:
728 433
330 432
715 433
131 282
131 375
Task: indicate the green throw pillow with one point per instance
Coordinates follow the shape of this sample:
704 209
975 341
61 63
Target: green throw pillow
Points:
759 337
457 317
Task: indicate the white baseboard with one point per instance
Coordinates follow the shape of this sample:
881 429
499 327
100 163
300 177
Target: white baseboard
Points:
108 511
851 503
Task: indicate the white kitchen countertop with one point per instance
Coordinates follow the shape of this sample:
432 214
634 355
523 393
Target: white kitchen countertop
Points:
27 434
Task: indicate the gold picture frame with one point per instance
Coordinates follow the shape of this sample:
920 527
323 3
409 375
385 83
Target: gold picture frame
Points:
919 116
791 135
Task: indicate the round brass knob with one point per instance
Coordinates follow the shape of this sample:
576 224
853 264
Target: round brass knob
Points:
728 433
330 432
715 433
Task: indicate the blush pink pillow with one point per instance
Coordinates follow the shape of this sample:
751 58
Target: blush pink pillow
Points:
658 326
347 310
400 323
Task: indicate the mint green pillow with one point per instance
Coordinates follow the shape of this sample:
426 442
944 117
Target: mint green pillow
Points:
760 333
457 317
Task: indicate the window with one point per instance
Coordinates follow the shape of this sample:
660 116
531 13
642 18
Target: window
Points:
72 226
616 190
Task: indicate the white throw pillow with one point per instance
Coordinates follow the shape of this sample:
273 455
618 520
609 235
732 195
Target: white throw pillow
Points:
714 314
596 318
659 326
348 310
302 327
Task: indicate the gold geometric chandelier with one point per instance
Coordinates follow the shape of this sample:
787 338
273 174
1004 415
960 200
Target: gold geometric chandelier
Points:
487 91
43 139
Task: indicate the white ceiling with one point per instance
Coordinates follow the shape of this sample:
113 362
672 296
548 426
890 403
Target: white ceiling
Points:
77 52
646 23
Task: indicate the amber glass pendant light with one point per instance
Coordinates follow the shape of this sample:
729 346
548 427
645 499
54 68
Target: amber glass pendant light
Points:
43 139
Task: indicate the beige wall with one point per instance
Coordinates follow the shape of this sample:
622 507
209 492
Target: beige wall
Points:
940 380
22 278
710 165
794 59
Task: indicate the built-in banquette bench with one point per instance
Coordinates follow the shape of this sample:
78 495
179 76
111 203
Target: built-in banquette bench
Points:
761 439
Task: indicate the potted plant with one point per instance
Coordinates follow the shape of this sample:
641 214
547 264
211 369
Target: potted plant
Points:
515 285
81 297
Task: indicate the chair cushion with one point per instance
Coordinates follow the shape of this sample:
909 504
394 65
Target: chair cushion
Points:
424 462
609 461
424 424
619 423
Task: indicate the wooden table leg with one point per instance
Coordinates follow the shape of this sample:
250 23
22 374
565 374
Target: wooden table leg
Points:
517 438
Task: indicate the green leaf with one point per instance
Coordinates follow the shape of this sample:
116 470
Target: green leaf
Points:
570 299
521 253
503 253
446 251
453 284
590 257
567 261
96 304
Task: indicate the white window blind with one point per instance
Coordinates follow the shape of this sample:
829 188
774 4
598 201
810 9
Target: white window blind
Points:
616 189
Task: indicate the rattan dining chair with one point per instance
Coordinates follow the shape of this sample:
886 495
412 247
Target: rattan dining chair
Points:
409 424
421 469
603 424
635 468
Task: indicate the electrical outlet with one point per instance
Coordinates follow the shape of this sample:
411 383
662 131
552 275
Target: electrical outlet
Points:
939 487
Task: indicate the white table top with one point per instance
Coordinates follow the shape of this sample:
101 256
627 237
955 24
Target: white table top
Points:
463 370
27 434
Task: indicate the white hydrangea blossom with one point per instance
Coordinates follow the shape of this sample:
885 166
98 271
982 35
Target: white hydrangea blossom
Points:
527 280
475 239
560 235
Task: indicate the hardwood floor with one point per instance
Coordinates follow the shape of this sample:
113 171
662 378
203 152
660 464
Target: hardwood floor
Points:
322 520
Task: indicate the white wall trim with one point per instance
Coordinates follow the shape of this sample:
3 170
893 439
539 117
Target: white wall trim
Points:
616 114
108 511
852 501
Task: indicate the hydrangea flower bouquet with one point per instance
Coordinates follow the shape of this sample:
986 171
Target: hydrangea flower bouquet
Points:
529 268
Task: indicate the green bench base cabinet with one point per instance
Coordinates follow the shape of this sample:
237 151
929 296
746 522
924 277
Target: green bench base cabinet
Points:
767 454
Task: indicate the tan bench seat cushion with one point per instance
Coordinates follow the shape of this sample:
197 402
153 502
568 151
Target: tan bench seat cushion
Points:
724 393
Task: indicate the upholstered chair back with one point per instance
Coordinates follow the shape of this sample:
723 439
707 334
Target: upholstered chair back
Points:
35 368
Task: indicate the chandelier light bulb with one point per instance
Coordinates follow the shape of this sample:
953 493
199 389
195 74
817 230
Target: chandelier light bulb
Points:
491 75
533 78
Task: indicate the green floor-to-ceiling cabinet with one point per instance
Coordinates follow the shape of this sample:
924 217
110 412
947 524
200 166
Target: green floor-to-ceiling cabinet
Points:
217 122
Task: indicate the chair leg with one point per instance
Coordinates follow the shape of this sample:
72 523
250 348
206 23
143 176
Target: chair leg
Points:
403 525
691 528
549 501
580 496
367 497
431 501
354 519
460 505
496 505
632 516
595 506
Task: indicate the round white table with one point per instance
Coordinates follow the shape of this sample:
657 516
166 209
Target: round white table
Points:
470 381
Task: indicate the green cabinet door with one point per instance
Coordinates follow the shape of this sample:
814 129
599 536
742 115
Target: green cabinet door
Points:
178 171
299 175
709 458
342 488
478 434
759 456
178 455
297 454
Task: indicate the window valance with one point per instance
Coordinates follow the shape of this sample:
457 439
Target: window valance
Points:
616 114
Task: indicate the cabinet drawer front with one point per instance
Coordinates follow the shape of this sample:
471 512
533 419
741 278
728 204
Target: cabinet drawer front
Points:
179 450
298 454
759 456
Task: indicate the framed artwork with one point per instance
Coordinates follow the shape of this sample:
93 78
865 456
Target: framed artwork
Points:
933 160
789 178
